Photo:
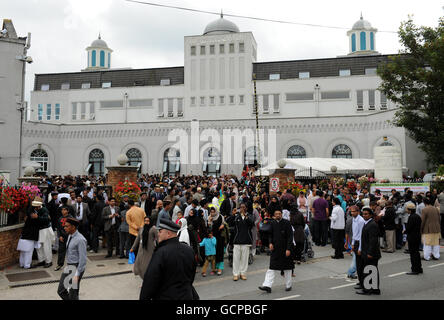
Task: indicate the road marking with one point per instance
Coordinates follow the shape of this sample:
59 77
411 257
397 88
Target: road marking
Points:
396 274
436 265
290 297
344 285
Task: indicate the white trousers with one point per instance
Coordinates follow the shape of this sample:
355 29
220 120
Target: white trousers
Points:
44 253
240 259
26 259
269 278
431 250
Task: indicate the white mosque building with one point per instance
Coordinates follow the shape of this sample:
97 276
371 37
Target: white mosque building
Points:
81 121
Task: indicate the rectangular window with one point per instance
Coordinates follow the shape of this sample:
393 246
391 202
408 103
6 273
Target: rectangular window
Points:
202 50
231 99
241 47
86 85
74 111
65 86
266 103
274 76
212 49
335 95
193 101
44 87
304 75
300 96
40 112
164 82
106 84
360 99
231 47
160 107
170 107
193 50
221 99
180 107
371 99
370 71
82 110
344 72
383 101
141 103
221 48
92 110
202 101
57 111
48 111
212 100
241 99
276 102
111 104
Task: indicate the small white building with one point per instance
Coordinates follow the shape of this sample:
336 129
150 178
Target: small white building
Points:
81 121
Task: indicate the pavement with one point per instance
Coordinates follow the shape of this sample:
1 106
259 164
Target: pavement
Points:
320 278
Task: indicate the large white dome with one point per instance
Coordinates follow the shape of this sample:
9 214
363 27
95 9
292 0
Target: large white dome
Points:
99 43
220 26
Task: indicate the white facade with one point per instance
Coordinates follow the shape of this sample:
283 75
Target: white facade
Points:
315 112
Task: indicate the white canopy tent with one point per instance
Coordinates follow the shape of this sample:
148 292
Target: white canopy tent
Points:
323 164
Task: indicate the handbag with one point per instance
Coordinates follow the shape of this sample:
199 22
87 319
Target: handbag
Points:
131 258
265 226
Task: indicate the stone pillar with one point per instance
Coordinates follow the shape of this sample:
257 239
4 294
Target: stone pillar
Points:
283 174
29 177
120 173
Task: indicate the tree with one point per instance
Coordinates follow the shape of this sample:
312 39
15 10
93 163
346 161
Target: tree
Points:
414 80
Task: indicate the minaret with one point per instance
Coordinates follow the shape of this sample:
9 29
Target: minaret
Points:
99 55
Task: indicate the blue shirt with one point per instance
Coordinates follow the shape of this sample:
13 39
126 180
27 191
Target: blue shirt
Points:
76 251
210 246
358 224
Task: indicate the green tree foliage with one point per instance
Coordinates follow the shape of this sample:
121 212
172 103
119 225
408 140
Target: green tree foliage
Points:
414 80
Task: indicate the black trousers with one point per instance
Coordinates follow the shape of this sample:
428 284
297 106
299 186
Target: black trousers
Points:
298 251
415 257
132 238
359 264
370 262
61 252
112 239
95 238
63 291
84 231
338 241
320 232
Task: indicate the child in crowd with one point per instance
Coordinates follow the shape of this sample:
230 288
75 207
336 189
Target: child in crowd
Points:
210 253
179 216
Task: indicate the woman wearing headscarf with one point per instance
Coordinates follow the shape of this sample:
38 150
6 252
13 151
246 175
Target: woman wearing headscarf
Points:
183 232
146 238
297 221
274 206
216 223
194 224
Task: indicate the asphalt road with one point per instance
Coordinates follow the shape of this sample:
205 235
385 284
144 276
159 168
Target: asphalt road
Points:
322 278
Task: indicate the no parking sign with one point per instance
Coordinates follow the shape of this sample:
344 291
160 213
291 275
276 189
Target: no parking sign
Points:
274 184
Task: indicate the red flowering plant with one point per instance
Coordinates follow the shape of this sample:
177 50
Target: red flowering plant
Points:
127 188
351 185
31 190
12 200
294 186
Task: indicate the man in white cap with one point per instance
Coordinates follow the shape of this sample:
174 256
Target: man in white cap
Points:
46 234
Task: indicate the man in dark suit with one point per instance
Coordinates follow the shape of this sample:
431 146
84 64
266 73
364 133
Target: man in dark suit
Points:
145 203
228 204
83 215
370 252
111 221
413 231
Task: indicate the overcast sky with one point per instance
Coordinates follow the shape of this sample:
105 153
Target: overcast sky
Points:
144 36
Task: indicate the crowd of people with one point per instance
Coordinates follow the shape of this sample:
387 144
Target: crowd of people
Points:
230 216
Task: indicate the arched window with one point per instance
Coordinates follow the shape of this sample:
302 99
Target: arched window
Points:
353 42
250 156
102 58
40 156
93 58
96 162
135 158
341 151
171 161
386 143
296 151
363 39
372 41
211 162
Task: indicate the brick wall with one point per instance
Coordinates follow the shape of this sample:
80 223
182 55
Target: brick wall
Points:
284 175
117 174
8 245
